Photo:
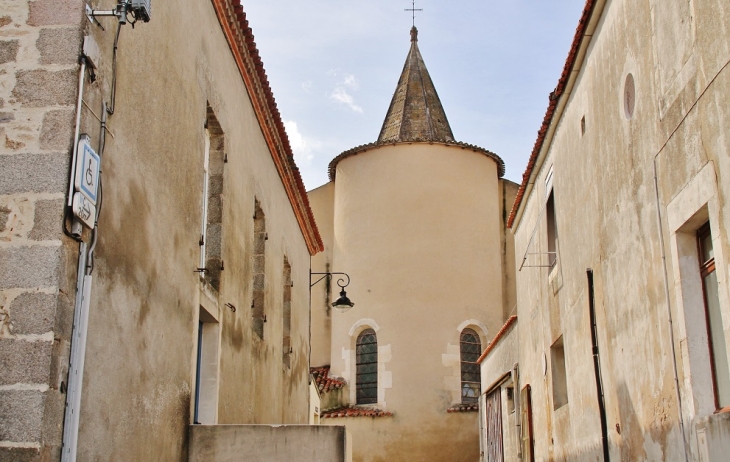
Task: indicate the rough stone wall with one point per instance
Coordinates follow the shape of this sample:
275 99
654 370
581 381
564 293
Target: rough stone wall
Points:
39 48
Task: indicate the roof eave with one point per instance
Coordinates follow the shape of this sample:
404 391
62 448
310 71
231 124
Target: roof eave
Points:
592 13
241 42
332 168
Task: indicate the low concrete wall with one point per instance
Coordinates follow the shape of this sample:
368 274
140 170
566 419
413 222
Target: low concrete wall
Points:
270 443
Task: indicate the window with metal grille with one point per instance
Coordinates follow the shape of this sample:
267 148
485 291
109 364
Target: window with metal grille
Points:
367 367
471 377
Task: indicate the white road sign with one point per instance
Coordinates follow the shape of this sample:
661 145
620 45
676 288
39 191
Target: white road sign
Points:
84 209
87 172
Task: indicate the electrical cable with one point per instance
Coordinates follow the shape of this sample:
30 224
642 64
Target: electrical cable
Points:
110 108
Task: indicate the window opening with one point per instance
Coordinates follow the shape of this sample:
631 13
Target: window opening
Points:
713 316
557 365
552 231
204 211
215 166
198 365
471 377
259 270
286 318
206 370
537 256
367 367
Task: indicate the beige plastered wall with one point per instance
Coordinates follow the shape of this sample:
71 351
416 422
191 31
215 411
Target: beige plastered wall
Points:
606 214
146 298
417 227
322 201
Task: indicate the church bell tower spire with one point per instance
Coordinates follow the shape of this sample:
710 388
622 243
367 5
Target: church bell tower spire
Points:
415 113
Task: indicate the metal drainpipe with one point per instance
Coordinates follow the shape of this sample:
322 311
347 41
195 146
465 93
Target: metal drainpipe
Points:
77 129
516 397
73 388
597 365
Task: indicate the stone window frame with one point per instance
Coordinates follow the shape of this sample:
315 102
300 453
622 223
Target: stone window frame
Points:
214 171
692 207
286 318
258 270
385 377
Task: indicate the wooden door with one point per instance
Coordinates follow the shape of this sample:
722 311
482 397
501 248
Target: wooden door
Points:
493 417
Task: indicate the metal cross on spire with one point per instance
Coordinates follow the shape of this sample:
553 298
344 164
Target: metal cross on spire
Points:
413 9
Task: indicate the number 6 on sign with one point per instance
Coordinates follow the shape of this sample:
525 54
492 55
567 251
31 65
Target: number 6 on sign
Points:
86 180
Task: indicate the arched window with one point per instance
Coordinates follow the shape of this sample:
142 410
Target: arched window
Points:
367 367
471 377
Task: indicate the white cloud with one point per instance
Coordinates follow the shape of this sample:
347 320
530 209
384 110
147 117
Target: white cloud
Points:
351 81
340 95
307 86
302 146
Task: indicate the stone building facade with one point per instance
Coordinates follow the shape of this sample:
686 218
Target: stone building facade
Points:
621 244
196 294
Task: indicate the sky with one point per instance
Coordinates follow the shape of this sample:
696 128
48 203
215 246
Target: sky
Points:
333 66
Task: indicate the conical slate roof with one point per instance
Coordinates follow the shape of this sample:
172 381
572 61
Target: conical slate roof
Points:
415 113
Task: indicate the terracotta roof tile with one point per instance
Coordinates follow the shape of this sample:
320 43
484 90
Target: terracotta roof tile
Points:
240 39
324 382
332 168
466 407
552 105
502 332
352 411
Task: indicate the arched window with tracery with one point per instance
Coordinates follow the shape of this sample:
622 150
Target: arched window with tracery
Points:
471 377
367 367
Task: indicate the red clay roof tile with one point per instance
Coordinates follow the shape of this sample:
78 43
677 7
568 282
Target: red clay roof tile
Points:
502 332
324 382
350 411
466 407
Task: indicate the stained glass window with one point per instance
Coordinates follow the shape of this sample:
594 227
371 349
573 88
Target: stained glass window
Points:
471 377
367 367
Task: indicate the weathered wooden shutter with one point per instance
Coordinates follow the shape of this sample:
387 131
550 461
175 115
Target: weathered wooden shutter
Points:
526 424
493 413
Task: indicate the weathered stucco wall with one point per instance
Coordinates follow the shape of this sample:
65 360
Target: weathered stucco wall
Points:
605 207
39 46
322 201
417 227
140 373
175 75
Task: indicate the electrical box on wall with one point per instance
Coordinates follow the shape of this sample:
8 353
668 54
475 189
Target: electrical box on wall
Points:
142 9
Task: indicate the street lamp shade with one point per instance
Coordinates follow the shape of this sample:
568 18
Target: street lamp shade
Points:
343 303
